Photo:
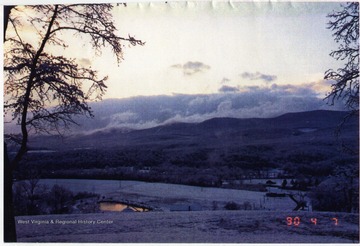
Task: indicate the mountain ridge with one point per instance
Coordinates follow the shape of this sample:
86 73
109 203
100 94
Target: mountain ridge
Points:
286 125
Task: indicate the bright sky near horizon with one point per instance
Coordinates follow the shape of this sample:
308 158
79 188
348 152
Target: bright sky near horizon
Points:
205 47
201 48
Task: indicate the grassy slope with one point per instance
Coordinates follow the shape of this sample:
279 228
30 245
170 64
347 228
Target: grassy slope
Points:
195 227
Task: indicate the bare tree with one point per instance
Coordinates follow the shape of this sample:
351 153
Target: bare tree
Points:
7 11
28 195
339 192
44 91
345 27
59 197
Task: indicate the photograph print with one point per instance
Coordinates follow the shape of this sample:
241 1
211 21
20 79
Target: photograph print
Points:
181 122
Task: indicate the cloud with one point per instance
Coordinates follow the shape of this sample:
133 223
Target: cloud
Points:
197 101
226 88
305 90
85 62
322 86
224 106
177 66
248 102
123 117
191 68
224 80
259 76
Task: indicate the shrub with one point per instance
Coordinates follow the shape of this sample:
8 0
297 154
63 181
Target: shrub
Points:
232 206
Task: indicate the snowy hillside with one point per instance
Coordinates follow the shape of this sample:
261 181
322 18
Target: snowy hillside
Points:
194 227
274 222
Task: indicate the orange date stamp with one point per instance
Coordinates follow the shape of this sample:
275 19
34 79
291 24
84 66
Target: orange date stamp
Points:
296 221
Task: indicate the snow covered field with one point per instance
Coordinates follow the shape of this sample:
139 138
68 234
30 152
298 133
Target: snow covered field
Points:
191 227
275 222
166 195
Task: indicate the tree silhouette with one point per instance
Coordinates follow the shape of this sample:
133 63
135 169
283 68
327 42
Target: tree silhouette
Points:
345 27
339 192
44 90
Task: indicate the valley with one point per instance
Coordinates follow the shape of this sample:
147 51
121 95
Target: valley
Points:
204 153
245 175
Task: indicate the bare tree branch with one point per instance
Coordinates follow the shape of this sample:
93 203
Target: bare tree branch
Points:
44 92
345 27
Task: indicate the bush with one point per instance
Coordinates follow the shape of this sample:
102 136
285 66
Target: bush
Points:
232 206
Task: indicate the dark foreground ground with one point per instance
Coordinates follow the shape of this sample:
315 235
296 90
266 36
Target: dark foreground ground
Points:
192 227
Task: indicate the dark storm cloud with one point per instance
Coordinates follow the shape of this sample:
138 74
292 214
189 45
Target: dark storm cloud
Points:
191 68
259 76
226 88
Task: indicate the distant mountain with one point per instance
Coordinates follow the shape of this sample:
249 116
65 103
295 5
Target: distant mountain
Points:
319 125
145 112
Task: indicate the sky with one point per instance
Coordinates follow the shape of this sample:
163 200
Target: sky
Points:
220 47
212 59
205 48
